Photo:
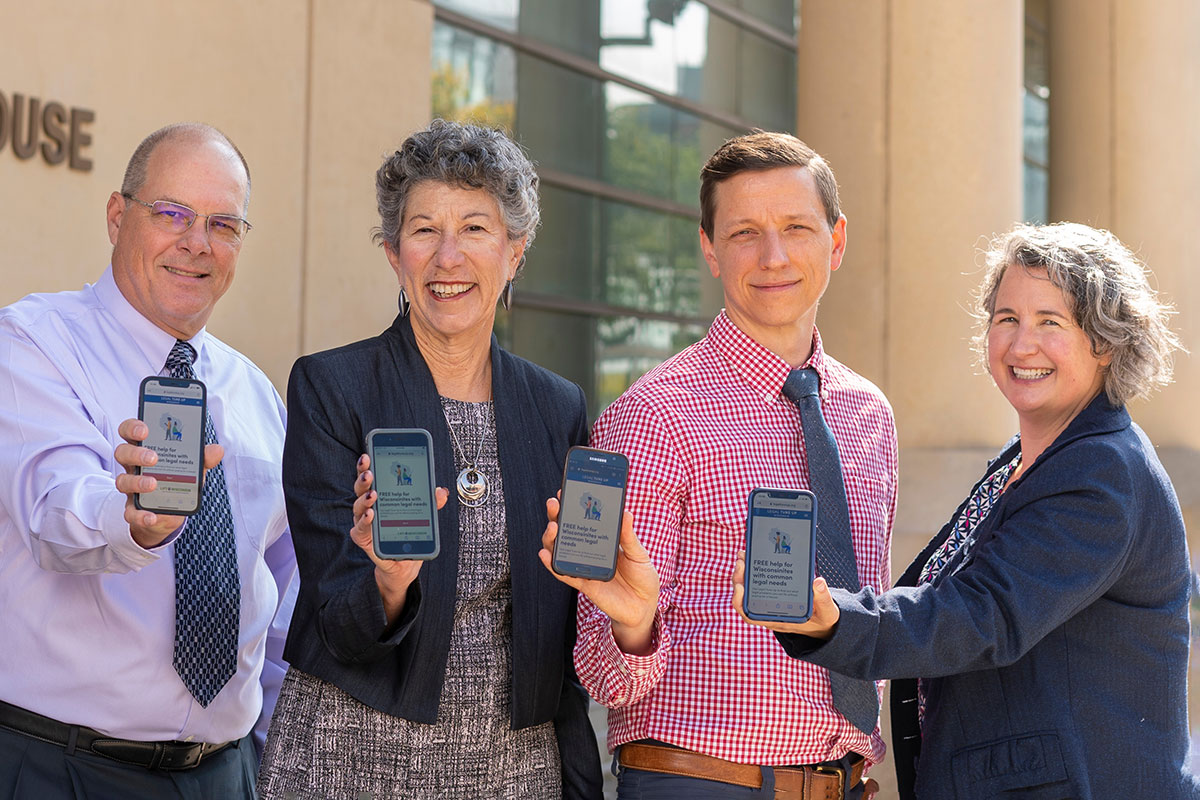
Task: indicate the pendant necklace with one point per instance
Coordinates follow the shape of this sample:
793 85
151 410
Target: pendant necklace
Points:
472 482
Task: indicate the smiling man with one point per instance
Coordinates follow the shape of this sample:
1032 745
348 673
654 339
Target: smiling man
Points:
703 705
140 650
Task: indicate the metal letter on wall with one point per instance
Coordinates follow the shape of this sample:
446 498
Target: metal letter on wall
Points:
25 120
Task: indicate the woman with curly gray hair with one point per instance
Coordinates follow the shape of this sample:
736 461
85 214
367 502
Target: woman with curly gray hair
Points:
1041 638
452 677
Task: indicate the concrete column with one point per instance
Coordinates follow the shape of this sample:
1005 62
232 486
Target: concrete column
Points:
1123 128
369 90
917 106
918 109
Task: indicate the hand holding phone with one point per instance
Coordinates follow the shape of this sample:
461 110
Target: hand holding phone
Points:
404 525
780 555
591 504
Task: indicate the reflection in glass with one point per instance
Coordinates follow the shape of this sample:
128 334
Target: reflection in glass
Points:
677 47
1037 194
606 252
1036 127
779 14
604 355
1036 114
500 13
474 78
768 73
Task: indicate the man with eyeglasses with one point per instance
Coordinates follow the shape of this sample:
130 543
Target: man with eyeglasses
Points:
140 653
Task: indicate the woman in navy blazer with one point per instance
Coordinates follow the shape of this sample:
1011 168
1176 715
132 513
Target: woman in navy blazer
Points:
1039 643
451 677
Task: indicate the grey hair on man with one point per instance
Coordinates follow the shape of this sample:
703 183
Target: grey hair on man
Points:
1108 291
465 155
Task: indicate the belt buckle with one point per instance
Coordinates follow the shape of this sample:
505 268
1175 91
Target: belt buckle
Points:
840 772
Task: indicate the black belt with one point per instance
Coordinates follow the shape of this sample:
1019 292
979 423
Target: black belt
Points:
151 755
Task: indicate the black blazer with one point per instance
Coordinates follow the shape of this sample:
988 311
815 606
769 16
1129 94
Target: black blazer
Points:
334 399
1054 649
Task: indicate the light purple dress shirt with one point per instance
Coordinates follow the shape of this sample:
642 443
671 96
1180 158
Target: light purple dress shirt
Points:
87 617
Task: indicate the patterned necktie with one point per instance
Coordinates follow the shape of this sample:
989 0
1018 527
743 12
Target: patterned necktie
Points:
856 700
207 587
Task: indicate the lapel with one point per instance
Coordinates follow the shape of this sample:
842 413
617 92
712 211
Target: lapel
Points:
913 571
1098 417
523 458
419 405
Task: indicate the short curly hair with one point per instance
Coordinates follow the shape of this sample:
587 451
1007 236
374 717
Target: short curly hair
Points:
463 155
1108 291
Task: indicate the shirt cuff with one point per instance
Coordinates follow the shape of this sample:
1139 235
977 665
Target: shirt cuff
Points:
115 531
637 673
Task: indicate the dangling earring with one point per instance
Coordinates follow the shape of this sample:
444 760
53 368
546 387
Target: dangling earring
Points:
405 305
506 296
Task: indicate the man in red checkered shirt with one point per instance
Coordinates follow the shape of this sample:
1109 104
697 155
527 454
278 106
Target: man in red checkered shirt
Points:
702 704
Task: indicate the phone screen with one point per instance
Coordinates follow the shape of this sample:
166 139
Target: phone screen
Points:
173 410
779 555
405 523
589 516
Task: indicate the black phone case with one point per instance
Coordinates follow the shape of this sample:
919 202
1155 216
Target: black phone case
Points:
612 570
137 498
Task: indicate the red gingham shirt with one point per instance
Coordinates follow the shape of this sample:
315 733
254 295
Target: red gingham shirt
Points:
700 431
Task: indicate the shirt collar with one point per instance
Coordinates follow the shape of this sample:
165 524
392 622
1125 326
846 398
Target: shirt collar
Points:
761 368
152 341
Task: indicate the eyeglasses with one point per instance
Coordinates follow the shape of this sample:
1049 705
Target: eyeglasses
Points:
176 218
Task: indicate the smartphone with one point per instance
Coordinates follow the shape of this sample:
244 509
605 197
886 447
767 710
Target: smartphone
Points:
173 409
589 514
780 555
405 522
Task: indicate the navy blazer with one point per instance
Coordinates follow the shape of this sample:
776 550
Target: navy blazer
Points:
334 399
1054 653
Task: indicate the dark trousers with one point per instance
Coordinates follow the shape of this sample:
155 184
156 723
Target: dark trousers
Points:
31 769
636 784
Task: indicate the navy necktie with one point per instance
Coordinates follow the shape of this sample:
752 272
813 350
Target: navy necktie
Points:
857 700
207 587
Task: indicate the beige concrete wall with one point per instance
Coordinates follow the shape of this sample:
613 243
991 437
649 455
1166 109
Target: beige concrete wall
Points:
370 89
917 106
1122 156
312 92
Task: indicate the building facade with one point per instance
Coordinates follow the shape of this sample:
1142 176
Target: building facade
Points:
945 122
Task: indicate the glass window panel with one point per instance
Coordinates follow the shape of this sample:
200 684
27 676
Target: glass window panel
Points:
1037 128
499 13
607 252
563 259
474 78
560 117
780 14
566 24
647 264
638 141
636 45
1037 194
1037 55
767 80
604 355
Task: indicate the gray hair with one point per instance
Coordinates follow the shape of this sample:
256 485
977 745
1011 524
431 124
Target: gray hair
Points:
467 156
1108 291
139 162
